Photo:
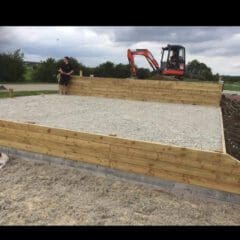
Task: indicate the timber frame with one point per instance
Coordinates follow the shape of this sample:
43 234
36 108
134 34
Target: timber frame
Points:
214 170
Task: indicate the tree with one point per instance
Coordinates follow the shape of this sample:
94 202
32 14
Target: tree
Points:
12 67
231 79
87 71
143 73
201 71
46 71
122 71
106 69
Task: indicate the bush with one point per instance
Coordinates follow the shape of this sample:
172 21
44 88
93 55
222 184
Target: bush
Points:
106 69
143 73
122 71
46 71
201 71
231 79
12 67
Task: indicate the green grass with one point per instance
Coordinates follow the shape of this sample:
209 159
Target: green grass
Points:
235 86
232 86
27 93
28 74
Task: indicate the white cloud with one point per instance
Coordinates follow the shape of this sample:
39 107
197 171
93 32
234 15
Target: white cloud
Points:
218 47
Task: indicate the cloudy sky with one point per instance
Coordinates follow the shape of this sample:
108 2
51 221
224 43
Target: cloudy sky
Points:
218 47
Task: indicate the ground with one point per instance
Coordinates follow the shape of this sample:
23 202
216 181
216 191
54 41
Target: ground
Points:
36 193
231 120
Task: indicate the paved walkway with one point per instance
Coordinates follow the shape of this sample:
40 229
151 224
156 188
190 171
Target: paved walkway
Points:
31 87
231 92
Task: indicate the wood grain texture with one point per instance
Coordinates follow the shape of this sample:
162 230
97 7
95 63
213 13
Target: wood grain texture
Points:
148 90
204 168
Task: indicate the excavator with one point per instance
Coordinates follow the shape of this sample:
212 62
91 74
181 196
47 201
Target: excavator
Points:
172 65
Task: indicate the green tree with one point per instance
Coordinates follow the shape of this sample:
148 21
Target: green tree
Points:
12 67
106 69
198 70
87 71
46 71
143 73
231 79
122 71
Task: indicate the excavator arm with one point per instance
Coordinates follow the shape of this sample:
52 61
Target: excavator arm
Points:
147 54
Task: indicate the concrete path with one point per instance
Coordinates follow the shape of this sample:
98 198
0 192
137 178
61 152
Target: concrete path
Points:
231 92
31 87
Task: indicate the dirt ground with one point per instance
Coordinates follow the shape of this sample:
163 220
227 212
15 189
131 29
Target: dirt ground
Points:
36 193
231 120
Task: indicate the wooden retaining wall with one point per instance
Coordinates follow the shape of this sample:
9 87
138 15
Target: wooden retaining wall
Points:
148 90
204 168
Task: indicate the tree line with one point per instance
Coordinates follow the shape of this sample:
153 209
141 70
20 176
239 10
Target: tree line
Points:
13 69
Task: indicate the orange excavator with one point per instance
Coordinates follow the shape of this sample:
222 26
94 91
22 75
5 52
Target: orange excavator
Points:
172 65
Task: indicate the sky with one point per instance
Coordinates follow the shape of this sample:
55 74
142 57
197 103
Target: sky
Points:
218 47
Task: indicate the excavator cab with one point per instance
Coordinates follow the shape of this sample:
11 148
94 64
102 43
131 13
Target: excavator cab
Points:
173 60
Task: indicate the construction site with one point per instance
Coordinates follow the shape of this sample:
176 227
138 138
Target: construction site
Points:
123 151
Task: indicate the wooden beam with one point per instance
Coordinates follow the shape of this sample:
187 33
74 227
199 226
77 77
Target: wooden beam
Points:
204 168
148 90
222 131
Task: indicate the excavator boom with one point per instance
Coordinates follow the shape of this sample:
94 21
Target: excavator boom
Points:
147 54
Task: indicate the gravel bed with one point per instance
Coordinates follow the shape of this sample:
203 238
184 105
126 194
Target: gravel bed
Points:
179 124
36 193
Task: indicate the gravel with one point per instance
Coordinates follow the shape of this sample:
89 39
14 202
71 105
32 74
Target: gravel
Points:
179 124
36 193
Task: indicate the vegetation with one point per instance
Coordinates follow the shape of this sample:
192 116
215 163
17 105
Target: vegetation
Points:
28 74
232 86
231 79
200 71
12 67
46 71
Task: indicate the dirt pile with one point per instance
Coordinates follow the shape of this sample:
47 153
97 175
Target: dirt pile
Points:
231 121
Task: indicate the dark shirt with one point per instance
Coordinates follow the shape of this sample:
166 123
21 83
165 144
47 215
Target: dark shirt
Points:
174 61
174 58
66 67
65 78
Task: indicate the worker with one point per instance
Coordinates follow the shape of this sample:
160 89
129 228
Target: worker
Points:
65 71
174 60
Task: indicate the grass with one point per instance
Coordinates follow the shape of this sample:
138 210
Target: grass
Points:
232 86
5 94
28 74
